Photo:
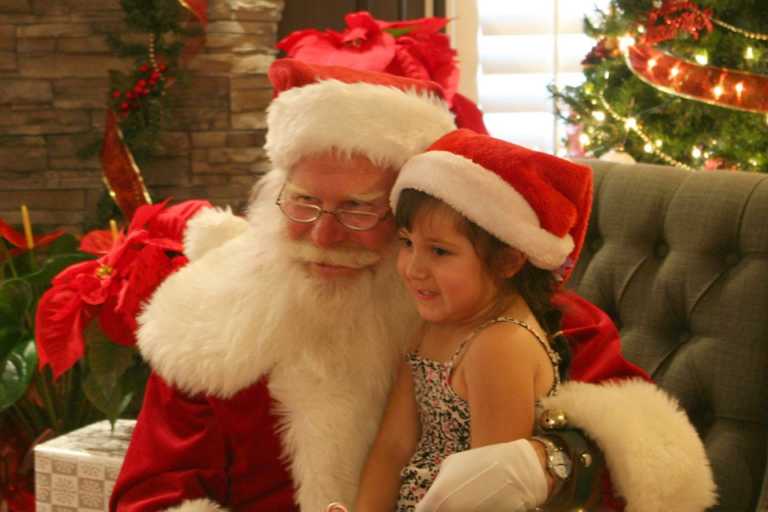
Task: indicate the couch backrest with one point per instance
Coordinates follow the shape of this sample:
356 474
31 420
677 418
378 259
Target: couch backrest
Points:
680 261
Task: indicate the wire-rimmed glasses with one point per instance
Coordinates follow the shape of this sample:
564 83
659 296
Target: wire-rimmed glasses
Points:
306 213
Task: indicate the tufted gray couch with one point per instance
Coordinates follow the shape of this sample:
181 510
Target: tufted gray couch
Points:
680 261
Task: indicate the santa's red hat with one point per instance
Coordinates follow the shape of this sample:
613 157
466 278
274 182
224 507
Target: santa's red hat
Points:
532 201
384 117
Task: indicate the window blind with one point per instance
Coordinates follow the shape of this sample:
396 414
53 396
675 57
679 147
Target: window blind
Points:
523 47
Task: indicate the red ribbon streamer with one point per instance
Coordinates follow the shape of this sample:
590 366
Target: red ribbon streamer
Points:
737 89
121 174
199 9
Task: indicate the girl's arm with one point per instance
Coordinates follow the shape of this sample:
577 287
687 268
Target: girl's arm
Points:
394 445
500 368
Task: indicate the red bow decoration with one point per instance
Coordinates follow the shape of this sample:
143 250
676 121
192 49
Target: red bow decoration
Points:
673 17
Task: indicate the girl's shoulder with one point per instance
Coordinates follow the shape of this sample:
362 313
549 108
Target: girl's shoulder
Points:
509 352
511 339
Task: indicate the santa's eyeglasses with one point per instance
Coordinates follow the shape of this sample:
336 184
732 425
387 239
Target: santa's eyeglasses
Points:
296 208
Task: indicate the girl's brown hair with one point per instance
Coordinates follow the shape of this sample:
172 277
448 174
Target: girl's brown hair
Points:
535 285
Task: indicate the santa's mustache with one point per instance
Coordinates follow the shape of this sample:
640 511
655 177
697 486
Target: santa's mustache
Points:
342 256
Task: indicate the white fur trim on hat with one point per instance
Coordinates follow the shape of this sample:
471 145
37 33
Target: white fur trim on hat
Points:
487 200
385 124
655 457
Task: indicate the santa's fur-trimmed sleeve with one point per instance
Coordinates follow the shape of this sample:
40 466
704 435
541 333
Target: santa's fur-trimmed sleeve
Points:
655 457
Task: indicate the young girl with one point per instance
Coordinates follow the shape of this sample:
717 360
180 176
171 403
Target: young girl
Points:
487 230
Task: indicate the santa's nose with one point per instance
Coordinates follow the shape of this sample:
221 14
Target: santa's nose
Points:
327 231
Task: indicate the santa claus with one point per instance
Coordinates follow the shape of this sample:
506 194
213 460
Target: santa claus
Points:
274 349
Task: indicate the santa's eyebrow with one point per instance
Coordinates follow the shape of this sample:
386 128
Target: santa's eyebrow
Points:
368 197
291 187
363 197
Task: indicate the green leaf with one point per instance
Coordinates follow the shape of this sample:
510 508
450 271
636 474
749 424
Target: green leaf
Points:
136 381
66 243
108 363
16 296
16 371
397 32
9 337
109 398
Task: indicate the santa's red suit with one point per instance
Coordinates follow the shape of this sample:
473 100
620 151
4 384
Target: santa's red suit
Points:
212 433
268 386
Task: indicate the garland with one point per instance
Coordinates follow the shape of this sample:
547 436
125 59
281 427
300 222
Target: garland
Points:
138 102
713 85
723 87
675 16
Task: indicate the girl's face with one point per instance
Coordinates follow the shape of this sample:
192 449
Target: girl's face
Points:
443 271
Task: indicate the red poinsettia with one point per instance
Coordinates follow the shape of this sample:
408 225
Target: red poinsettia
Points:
413 48
19 241
113 286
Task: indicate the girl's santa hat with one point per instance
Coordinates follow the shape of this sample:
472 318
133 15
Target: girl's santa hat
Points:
532 201
384 117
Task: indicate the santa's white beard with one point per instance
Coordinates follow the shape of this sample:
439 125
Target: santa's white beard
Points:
334 347
342 324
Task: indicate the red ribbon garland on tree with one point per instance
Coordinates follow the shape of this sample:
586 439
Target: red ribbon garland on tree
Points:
723 87
718 86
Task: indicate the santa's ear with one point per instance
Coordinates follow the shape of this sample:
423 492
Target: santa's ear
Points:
510 262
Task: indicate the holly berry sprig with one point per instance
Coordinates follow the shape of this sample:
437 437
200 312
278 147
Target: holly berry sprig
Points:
148 82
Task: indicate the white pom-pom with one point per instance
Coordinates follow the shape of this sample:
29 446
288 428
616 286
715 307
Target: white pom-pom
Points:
209 229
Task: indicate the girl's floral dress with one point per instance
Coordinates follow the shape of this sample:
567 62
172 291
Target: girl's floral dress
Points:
444 417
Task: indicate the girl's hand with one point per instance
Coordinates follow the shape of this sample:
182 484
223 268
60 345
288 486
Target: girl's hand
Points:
505 476
336 507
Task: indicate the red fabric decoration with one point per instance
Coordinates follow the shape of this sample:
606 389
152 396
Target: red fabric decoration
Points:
594 340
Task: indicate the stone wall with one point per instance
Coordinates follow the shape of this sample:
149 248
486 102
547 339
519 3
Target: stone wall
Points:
54 66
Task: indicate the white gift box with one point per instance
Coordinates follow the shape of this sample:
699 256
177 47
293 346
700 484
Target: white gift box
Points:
77 471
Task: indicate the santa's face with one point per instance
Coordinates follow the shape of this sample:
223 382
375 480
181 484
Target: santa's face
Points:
333 182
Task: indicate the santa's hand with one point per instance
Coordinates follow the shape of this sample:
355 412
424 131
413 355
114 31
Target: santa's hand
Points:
506 476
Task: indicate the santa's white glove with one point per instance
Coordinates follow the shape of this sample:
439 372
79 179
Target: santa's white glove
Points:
506 476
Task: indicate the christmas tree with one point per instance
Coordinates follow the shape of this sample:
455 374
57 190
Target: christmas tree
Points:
675 82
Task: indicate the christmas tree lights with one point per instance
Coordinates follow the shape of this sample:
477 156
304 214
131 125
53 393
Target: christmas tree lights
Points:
675 82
